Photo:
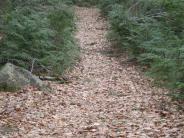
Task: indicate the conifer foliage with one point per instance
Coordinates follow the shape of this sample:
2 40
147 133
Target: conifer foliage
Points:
153 33
37 35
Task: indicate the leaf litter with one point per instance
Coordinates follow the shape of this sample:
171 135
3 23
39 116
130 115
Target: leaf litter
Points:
104 99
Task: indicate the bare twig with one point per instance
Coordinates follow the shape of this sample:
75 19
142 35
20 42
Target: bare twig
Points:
32 66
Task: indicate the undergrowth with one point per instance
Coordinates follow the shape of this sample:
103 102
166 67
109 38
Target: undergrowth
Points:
153 33
38 35
85 3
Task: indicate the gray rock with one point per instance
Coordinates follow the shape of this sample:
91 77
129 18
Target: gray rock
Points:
6 129
13 78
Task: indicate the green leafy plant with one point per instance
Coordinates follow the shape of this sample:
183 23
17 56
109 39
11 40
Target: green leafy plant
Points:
85 3
153 33
38 35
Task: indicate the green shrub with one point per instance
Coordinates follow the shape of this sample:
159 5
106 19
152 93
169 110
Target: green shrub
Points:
38 35
86 3
153 32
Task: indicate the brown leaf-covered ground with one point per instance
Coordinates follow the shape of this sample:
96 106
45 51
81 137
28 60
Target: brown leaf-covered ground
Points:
104 99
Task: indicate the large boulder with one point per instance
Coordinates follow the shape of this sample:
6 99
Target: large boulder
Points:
13 78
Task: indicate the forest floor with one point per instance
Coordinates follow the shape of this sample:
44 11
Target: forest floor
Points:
107 97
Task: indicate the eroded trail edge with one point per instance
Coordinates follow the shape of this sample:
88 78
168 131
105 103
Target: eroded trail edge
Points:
104 98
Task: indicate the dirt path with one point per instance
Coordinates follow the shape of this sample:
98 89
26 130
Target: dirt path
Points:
104 99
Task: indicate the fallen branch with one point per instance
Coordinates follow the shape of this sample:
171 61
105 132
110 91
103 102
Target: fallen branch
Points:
49 78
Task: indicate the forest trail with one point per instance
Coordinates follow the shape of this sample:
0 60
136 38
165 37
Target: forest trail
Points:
104 99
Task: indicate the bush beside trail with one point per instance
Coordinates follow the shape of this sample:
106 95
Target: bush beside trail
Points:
38 35
153 33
